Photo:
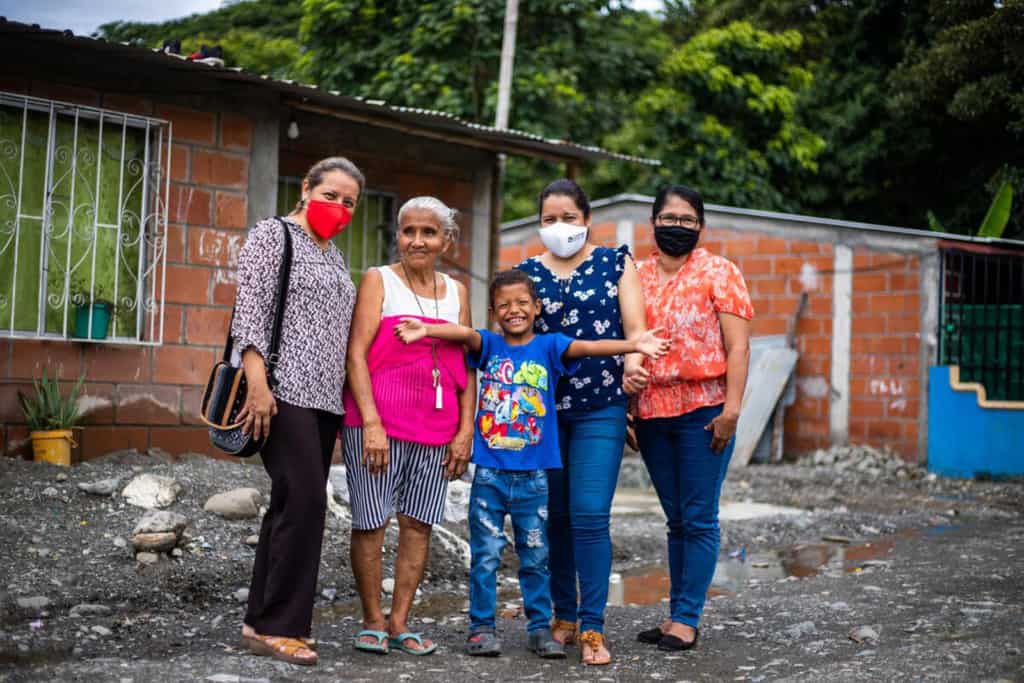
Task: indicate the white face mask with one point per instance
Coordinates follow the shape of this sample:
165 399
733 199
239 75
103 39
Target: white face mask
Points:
564 239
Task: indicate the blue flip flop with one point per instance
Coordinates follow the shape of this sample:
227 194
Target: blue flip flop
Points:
399 642
377 648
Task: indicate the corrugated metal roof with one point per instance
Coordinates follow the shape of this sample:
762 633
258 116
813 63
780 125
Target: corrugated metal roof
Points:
512 141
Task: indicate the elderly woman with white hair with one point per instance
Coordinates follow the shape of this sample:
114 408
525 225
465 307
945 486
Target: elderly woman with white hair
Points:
408 425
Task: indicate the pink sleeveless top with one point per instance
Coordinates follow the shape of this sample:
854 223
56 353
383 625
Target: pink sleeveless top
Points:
403 390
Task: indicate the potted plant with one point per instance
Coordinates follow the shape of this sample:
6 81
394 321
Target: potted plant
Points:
95 301
51 416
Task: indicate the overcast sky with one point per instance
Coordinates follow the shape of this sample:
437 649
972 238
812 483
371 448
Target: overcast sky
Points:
85 16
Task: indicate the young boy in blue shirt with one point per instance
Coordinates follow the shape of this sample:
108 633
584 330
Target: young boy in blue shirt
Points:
515 441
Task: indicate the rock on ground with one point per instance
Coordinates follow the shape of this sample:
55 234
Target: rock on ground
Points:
101 487
235 504
88 610
158 531
37 602
456 506
152 491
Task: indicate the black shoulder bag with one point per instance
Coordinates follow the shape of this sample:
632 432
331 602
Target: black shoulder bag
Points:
225 391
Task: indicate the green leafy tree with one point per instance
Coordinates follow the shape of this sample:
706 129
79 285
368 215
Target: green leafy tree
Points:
578 66
961 85
722 115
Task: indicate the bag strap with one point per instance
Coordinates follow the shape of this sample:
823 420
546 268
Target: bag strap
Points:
283 278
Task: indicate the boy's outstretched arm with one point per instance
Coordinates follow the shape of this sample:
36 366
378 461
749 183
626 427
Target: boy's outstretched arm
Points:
649 344
414 329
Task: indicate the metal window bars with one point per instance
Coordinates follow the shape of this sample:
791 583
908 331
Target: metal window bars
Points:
982 319
83 222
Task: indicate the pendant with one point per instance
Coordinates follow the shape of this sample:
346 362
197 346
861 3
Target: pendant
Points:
438 395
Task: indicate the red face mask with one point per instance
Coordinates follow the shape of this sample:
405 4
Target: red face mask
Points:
327 218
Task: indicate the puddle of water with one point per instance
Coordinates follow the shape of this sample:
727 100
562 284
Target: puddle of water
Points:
732 512
649 585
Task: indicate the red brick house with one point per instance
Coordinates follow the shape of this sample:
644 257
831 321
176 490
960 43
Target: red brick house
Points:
883 305
130 176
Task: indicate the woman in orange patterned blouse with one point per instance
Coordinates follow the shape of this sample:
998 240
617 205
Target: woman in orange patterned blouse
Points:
686 415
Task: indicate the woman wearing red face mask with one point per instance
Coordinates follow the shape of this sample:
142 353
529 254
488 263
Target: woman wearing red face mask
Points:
301 415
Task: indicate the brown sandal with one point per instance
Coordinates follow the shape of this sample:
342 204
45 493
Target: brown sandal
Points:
309 642
279 647
569 627
594 641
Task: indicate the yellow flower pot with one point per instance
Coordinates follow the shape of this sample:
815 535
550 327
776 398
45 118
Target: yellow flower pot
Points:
53 446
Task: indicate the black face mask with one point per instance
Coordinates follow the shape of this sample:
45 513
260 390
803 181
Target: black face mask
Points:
675 240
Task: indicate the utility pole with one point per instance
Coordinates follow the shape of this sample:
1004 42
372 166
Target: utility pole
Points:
508 56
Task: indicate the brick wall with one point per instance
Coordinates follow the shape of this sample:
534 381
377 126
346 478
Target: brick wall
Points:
140 397
885 338
885 385
134 396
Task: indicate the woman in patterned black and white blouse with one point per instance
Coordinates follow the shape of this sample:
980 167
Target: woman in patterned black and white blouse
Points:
302 415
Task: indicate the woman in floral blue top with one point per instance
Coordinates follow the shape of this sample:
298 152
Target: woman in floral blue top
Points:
587 292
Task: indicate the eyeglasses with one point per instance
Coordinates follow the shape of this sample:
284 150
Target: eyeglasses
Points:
691 222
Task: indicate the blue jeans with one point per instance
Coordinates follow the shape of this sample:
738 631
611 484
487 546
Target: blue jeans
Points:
523 495
580 502
688 477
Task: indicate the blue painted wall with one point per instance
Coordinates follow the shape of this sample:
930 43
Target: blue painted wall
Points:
964 439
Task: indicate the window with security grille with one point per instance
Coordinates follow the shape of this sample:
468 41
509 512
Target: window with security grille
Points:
82 222
982 319
367 241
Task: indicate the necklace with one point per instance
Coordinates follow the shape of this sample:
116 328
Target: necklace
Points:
436 372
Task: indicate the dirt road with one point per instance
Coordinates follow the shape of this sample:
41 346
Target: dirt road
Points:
926 573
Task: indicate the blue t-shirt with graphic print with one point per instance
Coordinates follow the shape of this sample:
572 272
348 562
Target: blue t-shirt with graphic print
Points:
516 427
584 305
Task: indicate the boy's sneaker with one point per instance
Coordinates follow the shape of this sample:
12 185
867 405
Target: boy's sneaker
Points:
171 47
213 56
484 644
544 645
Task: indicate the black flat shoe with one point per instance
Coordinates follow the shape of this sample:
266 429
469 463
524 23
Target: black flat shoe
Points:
674 644
651 636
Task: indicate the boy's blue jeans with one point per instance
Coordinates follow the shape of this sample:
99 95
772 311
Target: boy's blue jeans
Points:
688 477
523 495
581 503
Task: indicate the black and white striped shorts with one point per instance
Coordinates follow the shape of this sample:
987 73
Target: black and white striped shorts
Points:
414 483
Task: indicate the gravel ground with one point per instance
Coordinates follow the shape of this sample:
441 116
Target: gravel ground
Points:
931 566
